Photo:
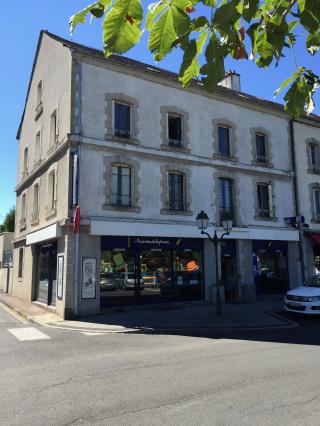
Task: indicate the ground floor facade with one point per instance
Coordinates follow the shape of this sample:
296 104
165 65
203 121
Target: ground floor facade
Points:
100 268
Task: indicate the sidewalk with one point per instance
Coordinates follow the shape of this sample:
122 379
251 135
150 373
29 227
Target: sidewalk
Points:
261 314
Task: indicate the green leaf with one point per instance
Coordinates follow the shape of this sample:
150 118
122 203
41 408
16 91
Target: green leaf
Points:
162 35
226 15
190 67
211 3
264 49
154 9
80 17
214 68
313 42
310 16
250 9
181 21
284 84
121 27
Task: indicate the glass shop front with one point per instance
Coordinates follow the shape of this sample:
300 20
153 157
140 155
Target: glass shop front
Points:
270 266
145 270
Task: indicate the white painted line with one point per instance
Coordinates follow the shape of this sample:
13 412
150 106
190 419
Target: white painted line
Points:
27 334
91 333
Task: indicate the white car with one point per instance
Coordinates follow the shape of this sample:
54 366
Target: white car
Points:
304 299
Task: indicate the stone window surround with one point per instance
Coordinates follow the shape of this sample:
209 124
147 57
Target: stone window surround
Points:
53 145
121 160
263 181
39 103
312 188
165 169
185 141
267 138
222 122
235 195
25 165
110 99
35 217
23 212
51 212
36 162
309 143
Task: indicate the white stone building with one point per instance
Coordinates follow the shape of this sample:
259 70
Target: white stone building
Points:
142 156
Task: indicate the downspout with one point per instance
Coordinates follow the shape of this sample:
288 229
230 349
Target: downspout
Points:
296 195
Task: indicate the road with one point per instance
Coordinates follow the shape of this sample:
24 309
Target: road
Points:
64 377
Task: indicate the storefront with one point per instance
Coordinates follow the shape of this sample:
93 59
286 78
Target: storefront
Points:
142 270
270 265
46 273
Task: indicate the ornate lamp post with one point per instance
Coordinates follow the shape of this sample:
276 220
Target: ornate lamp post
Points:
202 223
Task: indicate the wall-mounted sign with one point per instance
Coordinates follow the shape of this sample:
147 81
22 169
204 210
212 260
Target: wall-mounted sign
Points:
88 283
60 277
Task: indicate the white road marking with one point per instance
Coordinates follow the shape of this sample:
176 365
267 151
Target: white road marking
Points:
27 334
91 333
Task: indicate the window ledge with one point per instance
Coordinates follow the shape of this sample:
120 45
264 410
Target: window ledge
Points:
119 208
51 213
268 218
314 171
181 149
23 224
34 220
224 158
176 212
132 141
262 164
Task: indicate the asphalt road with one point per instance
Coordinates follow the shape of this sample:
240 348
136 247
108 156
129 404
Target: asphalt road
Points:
69 378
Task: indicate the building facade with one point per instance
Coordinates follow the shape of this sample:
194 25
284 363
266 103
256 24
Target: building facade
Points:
6 252
115 162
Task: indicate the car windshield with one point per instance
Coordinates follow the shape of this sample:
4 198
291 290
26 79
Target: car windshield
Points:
313 282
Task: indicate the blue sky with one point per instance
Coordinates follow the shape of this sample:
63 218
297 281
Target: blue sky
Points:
20 27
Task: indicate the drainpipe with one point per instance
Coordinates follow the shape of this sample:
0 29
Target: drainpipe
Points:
296 195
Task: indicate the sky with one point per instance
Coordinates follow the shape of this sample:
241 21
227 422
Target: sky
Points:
21 23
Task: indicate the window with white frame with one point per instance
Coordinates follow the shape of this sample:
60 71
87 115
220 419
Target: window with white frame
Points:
53 128
37 147
314 150
25 161
122 119
51 191
265 200
35 201
121 185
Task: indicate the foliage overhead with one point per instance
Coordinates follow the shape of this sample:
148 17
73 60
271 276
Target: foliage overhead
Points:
208 31
8 224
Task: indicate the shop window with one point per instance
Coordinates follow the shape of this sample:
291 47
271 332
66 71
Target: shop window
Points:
175 130
20 264
226 199
314 156
261 152
53 128
121 186
122 120
176 191
37 147
224 141
25 161
265 207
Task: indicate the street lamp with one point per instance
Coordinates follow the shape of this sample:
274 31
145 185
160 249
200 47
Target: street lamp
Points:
202 223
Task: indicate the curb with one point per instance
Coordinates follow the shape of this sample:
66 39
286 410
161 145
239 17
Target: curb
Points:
17 311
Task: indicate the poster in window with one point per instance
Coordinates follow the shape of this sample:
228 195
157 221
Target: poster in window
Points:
88 283
60 277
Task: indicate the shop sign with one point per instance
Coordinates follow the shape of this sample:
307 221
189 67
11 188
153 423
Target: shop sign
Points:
150 243
88 284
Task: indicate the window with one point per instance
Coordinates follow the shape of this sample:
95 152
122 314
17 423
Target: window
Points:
121 185
35 201
39 93
224 141
122 120
316 196
20 265
175 186
53 128
226 201
37 148
52 191
25 161
261 148
175 130
265 200
315 156
24 207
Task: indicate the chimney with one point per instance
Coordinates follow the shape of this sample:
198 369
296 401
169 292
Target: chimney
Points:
231 80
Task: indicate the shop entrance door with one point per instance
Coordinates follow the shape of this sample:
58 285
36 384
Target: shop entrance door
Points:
46 275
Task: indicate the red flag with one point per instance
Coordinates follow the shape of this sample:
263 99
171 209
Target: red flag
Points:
76 220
